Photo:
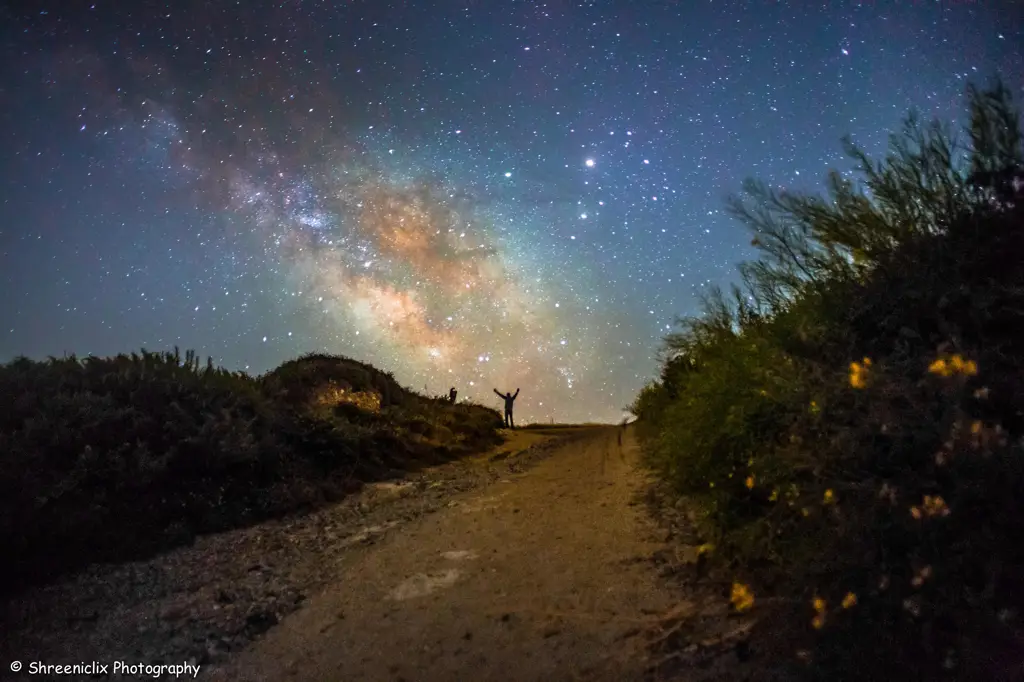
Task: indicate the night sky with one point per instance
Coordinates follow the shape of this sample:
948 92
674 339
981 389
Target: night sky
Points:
484 195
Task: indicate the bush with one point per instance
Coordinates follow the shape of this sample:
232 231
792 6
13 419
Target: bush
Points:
848 427
108 459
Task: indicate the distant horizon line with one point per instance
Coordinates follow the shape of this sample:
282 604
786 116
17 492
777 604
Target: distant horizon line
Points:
528 421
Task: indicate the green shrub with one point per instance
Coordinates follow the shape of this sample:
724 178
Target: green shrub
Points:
848 428
106 459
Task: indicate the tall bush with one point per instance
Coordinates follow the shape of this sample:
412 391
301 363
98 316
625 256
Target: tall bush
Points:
848 425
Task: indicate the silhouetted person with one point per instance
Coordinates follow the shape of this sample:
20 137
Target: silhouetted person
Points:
509 399
451 395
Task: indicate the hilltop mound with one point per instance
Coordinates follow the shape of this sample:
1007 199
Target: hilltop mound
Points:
308 377
112 459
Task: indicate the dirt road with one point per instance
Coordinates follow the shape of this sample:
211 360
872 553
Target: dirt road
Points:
542 575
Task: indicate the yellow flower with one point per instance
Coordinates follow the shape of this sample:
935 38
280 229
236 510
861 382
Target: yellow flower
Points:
850 600
935 506
711 484
976 427
859 373
814 408
830 497
961 366
955 365
774 496
930 506
750 482
706 548
940 367
742 598
818 622
819 604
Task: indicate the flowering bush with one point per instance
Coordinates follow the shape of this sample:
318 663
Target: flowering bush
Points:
848 427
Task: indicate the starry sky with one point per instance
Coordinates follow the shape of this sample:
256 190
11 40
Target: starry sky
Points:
501 194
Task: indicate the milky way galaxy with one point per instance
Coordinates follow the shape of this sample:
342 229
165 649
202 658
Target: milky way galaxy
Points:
479 195
418 275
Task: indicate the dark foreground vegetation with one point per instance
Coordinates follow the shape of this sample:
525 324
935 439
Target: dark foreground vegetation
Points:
847 425
109 459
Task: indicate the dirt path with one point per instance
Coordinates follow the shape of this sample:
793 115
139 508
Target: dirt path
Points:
542 575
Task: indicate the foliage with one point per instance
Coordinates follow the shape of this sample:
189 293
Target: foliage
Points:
108 459
847 424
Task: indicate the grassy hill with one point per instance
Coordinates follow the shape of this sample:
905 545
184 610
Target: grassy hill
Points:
110 459
847 426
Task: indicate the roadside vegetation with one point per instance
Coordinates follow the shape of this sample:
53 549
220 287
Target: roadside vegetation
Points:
111 459
846 425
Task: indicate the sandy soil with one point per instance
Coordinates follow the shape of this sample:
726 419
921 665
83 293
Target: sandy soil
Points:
543 575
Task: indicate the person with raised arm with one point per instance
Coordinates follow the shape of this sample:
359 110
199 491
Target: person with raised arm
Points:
509 399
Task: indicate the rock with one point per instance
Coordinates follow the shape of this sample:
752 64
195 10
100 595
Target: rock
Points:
178 643
260 620
218 644
173 611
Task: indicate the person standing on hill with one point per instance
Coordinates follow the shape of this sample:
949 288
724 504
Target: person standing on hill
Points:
451 395
509 400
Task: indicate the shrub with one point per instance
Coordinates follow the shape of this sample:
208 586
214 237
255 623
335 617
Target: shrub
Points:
848 427
106 459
